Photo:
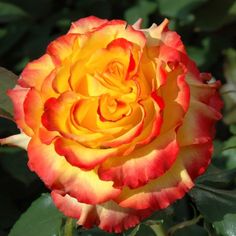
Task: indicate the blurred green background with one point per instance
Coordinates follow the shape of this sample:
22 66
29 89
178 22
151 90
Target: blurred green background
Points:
207 28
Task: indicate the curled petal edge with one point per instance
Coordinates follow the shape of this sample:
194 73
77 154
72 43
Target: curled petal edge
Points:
18 140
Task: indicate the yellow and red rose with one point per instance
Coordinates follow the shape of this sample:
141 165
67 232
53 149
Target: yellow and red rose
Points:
117 120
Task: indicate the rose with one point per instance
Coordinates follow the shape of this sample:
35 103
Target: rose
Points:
117 121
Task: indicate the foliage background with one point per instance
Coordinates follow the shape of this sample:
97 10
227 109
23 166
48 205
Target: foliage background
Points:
207 28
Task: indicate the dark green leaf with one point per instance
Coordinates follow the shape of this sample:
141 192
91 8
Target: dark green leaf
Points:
224 10
178 9
41 219
9 12
145 230
142 10
226 227
215 195
133 232
95 232
7 81
193 230
197 54
2 233
14 32
14 161
8 211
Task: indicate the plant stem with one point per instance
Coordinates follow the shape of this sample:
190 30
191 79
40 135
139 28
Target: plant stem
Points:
68 229
184 224
158 229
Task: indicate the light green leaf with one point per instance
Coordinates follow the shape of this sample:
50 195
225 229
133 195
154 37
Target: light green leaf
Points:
228 90
226 227
41 219
230 144
7 81
233 129
230 65
133 232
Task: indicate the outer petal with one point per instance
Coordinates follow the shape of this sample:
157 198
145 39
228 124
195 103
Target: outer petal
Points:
198 125
36 71
58 174
160 193
87 24
205 92
160 34
108 216
18 95
33 109
62 47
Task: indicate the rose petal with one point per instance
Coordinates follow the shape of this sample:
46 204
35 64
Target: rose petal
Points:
143 164
18 95
81 156
158 193
198 125
58 174
36 71
176 95
191 162
87 24
61 48
108 216
33 109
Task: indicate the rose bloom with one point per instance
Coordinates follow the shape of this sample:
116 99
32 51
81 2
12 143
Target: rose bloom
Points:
117 121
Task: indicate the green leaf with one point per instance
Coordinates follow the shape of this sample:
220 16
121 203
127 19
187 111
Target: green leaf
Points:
133 232
224 10
230 65
197 54
178 9
41 219
193 230
8 211
232 128
10 12
230 143
142 10
14 161
226 227
14 32
145 230
94 232
215 194
228 90
7 81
